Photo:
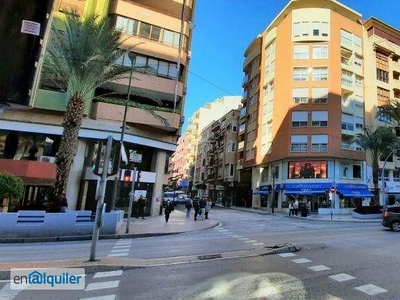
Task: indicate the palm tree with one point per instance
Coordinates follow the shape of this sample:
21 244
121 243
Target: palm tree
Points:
82 57
377 143
390 112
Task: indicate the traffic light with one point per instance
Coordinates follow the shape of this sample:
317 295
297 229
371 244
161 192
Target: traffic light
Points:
127 176
98 166
138 176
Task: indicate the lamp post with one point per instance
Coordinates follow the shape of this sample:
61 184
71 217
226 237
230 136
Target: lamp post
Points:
383 177
132 57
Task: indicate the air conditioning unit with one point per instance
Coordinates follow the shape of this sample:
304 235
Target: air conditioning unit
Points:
44 158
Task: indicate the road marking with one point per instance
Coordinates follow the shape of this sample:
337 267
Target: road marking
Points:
341 277
243 239
286 254
122 246
237 236
301 260
120 250
319 268
251 241
221 230
107 274
259 244
370 289
102 285
108 297
117 254
123 243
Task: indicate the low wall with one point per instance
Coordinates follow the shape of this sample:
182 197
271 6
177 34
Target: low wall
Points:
26 223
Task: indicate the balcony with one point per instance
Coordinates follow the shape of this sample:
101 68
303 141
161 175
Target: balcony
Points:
114 112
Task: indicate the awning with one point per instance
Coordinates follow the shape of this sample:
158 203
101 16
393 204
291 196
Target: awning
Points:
306 188
354 190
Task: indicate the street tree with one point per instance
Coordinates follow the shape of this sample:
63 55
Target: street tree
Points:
390 112
376 143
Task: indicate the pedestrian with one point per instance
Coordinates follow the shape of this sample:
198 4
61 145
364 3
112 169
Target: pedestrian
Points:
169 207
196 206
296 206
141 206
188 206
208 207
63 203
135 208
290 208
202 204
308 205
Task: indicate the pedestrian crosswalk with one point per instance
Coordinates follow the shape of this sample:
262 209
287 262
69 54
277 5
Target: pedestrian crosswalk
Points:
107 281
368 289
121 248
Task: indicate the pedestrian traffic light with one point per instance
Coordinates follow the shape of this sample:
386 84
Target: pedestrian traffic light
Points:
138 176
127 176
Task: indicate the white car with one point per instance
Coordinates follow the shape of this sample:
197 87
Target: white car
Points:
177 197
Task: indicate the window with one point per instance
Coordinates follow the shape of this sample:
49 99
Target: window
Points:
298 143
382 75
231 146
319 119
358 61
300 95
324 28
319 143
347 78
300 51
320 95
296 29
316 27
299 118
152 32
347 122
300 74
320 51
359 81
145 30
320 73
229 169
346 38
359 123
356 171
383 96
305 28
357 41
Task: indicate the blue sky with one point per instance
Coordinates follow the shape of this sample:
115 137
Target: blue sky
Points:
224 29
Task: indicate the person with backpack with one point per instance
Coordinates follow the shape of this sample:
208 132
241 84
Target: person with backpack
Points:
169 207
188 206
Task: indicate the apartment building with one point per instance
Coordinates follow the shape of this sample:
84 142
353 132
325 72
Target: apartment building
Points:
182 161
304 98
216 173
382 83
160 34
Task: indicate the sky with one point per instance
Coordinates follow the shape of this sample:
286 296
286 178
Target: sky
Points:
225 28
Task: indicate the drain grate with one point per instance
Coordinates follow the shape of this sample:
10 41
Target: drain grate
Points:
210 256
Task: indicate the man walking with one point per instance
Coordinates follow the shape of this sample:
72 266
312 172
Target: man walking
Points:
202 204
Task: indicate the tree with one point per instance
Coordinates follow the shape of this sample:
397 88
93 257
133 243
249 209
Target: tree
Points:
82 57
11 188
390 112
377 143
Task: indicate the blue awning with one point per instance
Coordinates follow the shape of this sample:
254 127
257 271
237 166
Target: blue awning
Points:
263 190
354 190
306 188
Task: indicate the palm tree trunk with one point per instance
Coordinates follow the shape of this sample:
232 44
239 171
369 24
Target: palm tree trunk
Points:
375 179
69 142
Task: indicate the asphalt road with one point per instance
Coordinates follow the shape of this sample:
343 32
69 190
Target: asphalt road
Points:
336 261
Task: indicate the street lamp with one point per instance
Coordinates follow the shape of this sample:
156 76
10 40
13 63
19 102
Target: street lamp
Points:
132 58
383 177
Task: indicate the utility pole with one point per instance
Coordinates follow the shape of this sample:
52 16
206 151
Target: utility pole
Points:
131 196
100 201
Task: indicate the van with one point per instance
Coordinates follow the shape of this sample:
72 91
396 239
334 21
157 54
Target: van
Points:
178 197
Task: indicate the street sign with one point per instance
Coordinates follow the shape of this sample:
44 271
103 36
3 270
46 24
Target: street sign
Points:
135 157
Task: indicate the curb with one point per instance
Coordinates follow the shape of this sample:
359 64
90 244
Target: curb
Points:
114 264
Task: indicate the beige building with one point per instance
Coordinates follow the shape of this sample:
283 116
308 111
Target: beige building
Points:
160 32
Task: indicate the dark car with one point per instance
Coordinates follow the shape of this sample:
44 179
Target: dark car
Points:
391 217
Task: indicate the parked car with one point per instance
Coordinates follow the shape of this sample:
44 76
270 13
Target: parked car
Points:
391 217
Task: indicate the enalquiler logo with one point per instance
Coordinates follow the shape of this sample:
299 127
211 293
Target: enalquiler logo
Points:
48 279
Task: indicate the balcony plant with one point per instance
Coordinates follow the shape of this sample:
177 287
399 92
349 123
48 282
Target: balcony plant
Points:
11 190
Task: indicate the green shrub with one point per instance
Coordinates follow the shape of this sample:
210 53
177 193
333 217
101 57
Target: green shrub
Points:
11 187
